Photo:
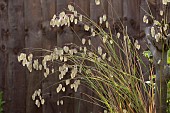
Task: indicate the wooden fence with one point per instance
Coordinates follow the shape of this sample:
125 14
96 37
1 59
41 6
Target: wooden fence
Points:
25 24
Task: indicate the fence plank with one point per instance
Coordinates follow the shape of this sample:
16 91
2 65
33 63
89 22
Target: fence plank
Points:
131 16
115 11
15 79
98 10
4 34
3 37
33 39
82 6
49 37
64 36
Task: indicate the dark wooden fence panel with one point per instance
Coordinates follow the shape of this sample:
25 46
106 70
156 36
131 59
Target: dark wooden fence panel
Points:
3 38
14 84
48 34
115 10
33 39
131 16
25 24
64 35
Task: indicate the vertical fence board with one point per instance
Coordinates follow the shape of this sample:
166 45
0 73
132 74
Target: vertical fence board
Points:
64 36
97 10
49 41
4 31
83 6
144 7
131 16
61 5
3 38
14 78
33 39
4 34
115 11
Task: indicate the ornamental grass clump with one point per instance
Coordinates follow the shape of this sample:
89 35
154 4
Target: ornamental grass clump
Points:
112 69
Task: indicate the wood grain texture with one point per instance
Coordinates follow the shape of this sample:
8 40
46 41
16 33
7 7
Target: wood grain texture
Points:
82 6
4 34
64 36
49 40
4 31
131 16
115 10
15 83
97 10
33 39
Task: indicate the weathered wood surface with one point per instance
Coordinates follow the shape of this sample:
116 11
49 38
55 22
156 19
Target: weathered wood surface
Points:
25 24
12 36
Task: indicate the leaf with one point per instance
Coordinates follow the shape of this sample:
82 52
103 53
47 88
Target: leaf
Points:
147 54
168 56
